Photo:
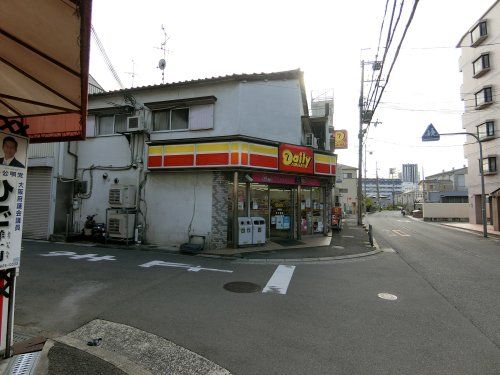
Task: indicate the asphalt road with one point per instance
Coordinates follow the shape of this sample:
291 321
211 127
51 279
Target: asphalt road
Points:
329 320
463 267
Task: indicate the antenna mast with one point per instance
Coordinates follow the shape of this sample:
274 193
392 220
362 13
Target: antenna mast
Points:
132 73
163 47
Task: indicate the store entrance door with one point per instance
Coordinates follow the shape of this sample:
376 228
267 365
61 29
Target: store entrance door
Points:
281 212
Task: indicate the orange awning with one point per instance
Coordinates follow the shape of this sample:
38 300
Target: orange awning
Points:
44 64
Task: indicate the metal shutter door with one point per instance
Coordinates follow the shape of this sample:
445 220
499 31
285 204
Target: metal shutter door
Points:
36 209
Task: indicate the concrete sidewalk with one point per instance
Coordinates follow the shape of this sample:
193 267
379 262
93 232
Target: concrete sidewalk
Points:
121 350
478 228
127 350
351 242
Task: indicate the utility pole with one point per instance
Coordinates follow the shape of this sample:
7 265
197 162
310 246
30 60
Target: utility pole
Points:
423 187
364 185
360 148
378 191
365 117
391 172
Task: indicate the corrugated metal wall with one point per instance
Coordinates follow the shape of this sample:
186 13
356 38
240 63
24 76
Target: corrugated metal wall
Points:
36 209
41 150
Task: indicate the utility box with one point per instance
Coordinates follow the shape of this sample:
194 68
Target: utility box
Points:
120 225
258 230
245 231
122 196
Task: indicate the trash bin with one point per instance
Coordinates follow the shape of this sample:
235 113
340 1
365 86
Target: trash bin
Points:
258 230
245 231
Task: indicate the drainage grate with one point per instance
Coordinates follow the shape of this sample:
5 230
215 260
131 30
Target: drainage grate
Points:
24 364
18 337
242 287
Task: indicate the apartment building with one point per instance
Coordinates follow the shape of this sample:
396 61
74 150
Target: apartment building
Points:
346 188
480 65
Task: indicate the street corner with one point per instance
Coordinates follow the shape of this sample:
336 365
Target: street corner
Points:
123 349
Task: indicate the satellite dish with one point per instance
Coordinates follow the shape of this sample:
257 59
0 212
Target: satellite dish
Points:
162 64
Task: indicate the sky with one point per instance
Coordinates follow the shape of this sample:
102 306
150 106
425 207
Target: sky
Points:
326 39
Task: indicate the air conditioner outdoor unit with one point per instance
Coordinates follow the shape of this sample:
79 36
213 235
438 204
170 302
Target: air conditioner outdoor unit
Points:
135 123
122 196
309 139
120 225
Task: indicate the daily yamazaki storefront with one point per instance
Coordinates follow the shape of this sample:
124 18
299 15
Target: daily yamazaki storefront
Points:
289 186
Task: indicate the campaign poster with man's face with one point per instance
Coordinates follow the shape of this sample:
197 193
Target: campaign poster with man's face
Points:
13 169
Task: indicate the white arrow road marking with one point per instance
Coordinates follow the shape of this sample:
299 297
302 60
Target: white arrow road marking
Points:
104 257
83 256
279 281
181 265
58 254
73 255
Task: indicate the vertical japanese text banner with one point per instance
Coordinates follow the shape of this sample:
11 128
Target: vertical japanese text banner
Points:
13 161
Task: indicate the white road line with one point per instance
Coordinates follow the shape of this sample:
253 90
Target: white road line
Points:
279 281
400 233
73 255
188 267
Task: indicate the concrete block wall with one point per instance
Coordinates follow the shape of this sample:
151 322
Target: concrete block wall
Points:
218 238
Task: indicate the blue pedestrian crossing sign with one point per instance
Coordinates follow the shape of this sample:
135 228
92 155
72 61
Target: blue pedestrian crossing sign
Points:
430 134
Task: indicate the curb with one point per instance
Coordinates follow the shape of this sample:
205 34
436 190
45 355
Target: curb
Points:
306 260
236 257
470 230
114 359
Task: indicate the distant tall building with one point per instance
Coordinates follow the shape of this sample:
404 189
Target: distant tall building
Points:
410 173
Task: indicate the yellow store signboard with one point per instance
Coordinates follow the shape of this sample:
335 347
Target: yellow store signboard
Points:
340 137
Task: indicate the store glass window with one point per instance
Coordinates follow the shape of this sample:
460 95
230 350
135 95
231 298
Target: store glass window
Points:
281 206
318 206
305 211
259 203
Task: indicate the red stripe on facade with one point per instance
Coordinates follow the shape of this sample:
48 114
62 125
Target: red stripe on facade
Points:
263 161
322 168
244 159
178 160
154 161
234 158
212 159
333 169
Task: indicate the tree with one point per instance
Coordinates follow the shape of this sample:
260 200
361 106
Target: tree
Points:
368 202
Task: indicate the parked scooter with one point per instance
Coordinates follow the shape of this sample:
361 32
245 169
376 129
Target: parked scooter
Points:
93 230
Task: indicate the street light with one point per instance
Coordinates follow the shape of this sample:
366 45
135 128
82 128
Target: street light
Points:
431 134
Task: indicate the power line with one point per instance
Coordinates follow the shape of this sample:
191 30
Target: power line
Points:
407 26
378 47
106 58
390 37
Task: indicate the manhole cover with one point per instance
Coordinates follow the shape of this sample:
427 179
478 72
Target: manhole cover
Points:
242 287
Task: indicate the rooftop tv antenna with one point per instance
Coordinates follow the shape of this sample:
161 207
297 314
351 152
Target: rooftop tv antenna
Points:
132 73
163 46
